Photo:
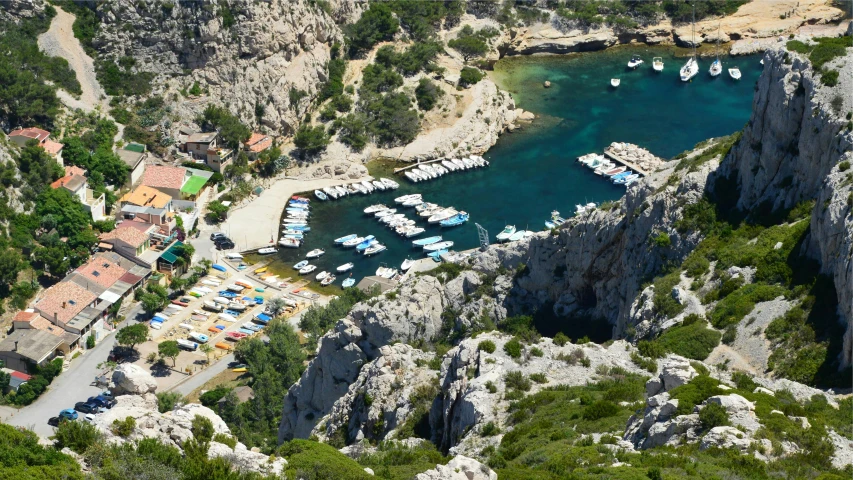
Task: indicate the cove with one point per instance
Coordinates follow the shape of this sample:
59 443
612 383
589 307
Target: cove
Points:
534 170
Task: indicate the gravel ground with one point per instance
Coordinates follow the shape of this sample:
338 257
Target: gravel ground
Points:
751 349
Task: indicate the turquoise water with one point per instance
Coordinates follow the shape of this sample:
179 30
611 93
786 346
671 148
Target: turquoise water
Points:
533 171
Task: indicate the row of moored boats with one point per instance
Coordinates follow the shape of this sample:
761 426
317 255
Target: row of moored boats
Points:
618 174
424 172
295 223
364 187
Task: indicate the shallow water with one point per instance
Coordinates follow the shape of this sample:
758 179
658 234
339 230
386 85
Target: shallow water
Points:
533 171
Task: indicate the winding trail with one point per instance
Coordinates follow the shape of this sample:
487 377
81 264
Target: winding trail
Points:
59 41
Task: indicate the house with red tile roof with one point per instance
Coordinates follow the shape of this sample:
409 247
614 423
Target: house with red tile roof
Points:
77 183
63 301
256 144
101 271
166 179
21 136
131 237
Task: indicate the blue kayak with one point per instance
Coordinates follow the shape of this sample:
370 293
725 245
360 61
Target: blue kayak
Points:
219 267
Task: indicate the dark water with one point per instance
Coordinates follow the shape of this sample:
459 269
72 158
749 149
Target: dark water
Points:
534 171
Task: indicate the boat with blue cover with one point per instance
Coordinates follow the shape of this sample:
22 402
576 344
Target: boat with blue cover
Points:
300 264
348 282
319 194
426 241
343 239
437 253
455 220
364 245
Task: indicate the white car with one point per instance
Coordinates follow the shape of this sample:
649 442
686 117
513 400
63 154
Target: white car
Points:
89 417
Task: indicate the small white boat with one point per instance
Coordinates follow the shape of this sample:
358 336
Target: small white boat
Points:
375 208
322 275
438 246
442 215
343 239
235 288
385 213
348 282
635 61
413 232
185 326
267 251
186 344
407 264
320 195
413 202
226 317
221 300
367 186
315 253
353 242
614 82
289 242
331 192
506 233
691 68
385 272
716 68
734 72
233 256
236 306
212 306
517 235
374 249
390 184
307 269
657 64
411 176
378 185
449 165
328 280
406 197
346 267
300 264
359 187
198 337
341 191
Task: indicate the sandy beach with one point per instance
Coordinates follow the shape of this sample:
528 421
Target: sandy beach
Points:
256 224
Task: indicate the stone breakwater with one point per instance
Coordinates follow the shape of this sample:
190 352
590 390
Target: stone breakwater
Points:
634 154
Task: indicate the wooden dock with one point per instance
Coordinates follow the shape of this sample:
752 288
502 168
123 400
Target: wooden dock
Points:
633 166
401 169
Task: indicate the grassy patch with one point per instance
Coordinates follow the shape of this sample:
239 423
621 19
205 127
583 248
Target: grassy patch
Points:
664 304
694 341
398 462
740 303
721 148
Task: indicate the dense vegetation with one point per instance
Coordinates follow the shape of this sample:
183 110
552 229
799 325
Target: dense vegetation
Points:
552 434
632 13
29 79
825 50
232 132
471 44
26 458
318 320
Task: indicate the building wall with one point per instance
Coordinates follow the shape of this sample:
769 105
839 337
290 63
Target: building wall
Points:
136 173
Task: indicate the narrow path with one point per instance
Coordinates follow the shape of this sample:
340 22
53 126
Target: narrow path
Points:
59 41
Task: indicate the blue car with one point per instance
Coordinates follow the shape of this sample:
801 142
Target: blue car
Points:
68 414
101 401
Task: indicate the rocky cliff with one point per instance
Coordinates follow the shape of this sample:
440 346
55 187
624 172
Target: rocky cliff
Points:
243 53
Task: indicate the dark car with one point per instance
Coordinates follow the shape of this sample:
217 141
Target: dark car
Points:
53 421
222 239
101 401
85 407
228 245
214 236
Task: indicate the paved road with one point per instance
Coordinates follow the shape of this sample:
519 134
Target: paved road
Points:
72 386
204 376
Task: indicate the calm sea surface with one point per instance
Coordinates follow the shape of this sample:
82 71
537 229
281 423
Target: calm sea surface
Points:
533 171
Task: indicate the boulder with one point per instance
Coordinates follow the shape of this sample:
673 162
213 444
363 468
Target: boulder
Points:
733 403
676 372
131 379
725 437
547 84
459 468
246 460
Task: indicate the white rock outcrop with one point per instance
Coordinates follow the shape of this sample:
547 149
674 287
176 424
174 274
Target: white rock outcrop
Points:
459 468
131 379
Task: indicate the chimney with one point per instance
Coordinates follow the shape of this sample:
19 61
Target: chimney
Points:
55 318
16 346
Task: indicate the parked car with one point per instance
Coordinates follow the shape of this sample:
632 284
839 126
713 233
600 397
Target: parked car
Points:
221 238
102 401
68 414
215 235
107 394
54 421
89 418
227 245
84 407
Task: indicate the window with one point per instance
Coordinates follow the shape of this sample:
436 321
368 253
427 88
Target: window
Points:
96 273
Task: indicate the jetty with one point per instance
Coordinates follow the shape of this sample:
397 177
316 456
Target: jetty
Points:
633 156
426 162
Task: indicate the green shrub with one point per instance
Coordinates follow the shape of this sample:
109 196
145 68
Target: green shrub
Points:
662 300
490 430
516 380
574 357
395 460
202 428
78 436
536 352
225 440
692 341
470 76
211 397
694 393
311 140
487 346
166 401
713 415
377 24
600 409
123 428
737 305
662 241
651 349
844 166
315 461
797 46
427 94
561 339
743 381
539 377
644 363
513 348
829 77
491 387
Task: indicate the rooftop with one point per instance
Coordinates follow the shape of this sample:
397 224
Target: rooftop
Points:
201 137
164 176
258 142
102 271
65 299
134 147
35 345
194 185
70 182
32 132
146 196
131 232
131 158
26 316
52 147
171 255
74 170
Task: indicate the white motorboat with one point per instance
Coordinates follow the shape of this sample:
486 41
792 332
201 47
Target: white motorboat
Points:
413 232
449 165
614 82
328 280
406 197
517 235
391 184
407 264
227 318
375 208
604 167
236 306
734 72
289 242
378 185
385 213
657 64
346 267
392 218
442 215
322 275
186 344
385 272
353 242
320 195
433 247
367 186
506 233
267 251
345 238
413 202
212 306
430 211
315 253
424 206
631 179
235 288
635 61
341 191
221 300
411 176
374 249
233 256
351 190
691 68
307 269
459 164
359 187
468 163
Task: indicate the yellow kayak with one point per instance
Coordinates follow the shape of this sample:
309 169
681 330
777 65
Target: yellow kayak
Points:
239 370
261 270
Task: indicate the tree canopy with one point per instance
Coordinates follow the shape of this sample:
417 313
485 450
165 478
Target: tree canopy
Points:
132 335
377 24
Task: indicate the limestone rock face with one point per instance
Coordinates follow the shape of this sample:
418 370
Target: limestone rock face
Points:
459 468
724 437
245 53
130 379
